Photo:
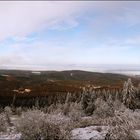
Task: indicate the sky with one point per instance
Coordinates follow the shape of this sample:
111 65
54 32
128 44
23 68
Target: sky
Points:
59 35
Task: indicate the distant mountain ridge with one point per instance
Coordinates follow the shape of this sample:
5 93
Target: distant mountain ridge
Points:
70 75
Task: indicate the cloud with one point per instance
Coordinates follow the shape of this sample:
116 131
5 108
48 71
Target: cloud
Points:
24 17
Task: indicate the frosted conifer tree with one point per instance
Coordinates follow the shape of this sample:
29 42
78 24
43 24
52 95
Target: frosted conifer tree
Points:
129 94
67 104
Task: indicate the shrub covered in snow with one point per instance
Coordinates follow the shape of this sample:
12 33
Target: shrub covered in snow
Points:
121 126
103 109
3 122
19 111
75 111
35 125
8 110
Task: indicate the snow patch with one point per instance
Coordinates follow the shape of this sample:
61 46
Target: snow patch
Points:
10 136
94 132
137 132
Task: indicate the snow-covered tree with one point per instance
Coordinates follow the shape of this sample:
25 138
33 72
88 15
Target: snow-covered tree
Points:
87 101
129 92
67 104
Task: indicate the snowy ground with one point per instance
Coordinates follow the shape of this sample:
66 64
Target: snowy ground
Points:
95 132
11 134
90 132
137 132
